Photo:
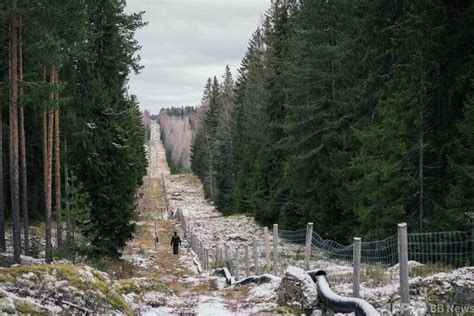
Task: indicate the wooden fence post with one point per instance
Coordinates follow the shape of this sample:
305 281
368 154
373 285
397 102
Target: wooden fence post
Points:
226 252
237 263
247 261
156 236
206 259
255 255
275 249
267 249
356 267
307 251
202 254
403 267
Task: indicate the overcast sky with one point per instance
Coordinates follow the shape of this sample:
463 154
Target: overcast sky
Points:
187 41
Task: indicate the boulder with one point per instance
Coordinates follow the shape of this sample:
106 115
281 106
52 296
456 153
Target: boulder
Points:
7 305
297 286
157 302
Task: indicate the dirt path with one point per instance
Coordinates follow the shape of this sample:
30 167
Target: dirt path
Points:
168 284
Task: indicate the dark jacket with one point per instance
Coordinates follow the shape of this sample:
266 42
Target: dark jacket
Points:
175 241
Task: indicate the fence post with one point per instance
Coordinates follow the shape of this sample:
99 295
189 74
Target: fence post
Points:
356 267
403 267
226 253
247 261
206 259
202 255
309 238
255 255
237 263
275 249
267 249
154 239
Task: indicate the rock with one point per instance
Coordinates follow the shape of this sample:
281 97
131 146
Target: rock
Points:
156 301
7 305
456 287
297 286
236 237
411 264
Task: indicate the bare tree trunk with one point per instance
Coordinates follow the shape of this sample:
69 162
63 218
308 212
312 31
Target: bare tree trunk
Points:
2 196
57 168
2 201
47 175
13 135
13 130
23 177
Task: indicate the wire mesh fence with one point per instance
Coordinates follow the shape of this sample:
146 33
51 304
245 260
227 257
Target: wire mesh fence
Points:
429 253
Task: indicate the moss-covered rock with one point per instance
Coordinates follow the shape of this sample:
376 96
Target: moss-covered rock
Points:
69 287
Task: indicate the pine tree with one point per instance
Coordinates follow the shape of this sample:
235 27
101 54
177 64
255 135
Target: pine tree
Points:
318 119
57 166
460 199
13 133
396 144
198 155
22 138
249 112
4 68
224 154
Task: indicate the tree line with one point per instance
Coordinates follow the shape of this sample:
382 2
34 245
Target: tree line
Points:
74 135
354 115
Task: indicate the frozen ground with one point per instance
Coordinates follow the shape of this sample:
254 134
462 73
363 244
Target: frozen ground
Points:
164 284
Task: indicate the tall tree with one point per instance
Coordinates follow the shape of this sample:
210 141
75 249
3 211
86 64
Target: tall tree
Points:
4 38
224 153
250 98
48 122
461 165
13 133
21 127
57 166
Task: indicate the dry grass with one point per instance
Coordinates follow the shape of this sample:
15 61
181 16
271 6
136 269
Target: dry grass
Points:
237 293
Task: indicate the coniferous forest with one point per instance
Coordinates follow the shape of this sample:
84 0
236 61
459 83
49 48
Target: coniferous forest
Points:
73 152
354 115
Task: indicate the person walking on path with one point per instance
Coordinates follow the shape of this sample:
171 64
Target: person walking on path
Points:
175 243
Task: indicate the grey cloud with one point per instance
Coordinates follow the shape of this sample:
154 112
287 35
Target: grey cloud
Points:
188 41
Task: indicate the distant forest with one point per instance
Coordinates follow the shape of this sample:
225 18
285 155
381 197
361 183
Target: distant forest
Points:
354 115
178 127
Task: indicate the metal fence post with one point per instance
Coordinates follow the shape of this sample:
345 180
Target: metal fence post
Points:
267 249
356 267
309 238
403 267
275 249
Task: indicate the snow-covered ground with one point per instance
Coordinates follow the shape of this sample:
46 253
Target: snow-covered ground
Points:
170 285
